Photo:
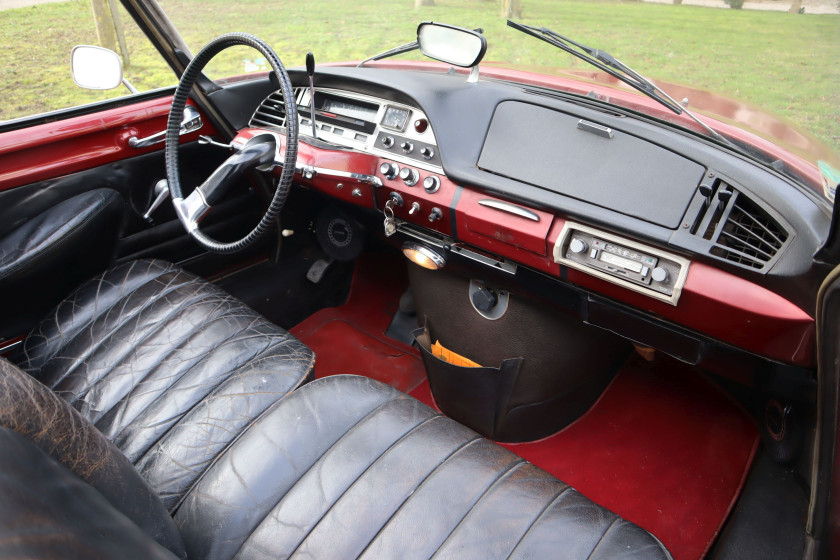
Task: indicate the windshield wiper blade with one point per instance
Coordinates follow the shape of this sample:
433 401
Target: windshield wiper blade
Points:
614 67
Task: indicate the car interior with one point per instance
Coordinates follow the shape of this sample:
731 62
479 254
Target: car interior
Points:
394 310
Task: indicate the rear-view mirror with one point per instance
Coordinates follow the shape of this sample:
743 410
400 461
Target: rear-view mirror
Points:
450 44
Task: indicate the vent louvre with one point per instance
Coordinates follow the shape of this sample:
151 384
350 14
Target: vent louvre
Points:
741 231
271 112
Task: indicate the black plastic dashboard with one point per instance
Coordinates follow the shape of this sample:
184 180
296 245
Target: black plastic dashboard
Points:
551 151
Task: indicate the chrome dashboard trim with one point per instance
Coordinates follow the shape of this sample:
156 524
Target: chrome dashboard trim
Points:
509 208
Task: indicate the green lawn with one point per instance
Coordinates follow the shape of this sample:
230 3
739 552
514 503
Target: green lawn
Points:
785 63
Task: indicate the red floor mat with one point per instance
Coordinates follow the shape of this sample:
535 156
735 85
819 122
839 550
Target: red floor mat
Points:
351 338
663 447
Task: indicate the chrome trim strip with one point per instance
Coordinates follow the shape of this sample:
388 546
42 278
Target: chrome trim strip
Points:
309 172
596 129
504 266
510 208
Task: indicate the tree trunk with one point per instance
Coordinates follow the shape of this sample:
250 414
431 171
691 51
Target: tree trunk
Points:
104 24
512 9
419 3
795 6
677 1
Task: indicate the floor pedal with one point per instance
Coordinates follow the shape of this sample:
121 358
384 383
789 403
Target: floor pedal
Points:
317 270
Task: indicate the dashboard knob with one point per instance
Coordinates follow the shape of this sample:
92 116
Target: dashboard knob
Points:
407 147
427 152
659 274
484 299
577 246
435 215
409 176
389 170
431 184
387 141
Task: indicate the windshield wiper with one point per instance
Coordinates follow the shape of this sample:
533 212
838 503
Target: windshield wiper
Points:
614 67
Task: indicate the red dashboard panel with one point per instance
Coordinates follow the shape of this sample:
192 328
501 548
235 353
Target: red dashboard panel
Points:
75 144
714 302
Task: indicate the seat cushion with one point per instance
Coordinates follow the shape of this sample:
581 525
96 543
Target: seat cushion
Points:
167 366
348 467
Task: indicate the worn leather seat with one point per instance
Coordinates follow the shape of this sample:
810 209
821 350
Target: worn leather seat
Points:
70 241
344 467
167 366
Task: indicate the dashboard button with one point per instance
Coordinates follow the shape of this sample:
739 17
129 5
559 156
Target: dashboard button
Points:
431 184
660 274
409 176
389 170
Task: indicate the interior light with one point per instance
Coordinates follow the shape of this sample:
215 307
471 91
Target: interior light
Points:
423 255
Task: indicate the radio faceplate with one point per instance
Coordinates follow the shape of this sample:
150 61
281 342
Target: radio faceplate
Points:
644 269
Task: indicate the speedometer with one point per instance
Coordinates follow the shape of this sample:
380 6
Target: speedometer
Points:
395 117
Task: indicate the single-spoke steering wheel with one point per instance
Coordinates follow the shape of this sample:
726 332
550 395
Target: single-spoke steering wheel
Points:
258 153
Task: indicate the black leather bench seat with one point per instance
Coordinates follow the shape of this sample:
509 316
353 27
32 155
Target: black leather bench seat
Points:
166 365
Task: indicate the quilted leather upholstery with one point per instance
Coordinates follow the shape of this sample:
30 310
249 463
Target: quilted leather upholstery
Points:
347 467
167 366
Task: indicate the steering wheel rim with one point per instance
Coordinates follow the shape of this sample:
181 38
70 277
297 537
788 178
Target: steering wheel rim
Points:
191 210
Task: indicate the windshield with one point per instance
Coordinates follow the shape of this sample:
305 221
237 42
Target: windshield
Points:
784 63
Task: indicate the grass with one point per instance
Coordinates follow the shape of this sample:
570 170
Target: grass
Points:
785 63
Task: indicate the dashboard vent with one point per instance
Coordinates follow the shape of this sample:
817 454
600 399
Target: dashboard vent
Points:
271 111
741 231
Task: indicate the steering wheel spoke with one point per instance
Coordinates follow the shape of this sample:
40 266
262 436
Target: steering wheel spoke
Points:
259 153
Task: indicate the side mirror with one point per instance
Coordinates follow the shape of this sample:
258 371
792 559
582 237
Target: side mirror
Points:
96 68
450 44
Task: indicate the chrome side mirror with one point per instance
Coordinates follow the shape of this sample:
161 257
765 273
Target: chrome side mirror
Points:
97 68
450 44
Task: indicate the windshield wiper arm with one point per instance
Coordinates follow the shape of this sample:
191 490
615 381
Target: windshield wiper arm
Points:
614 67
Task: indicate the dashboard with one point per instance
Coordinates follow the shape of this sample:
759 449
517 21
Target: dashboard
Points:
660 228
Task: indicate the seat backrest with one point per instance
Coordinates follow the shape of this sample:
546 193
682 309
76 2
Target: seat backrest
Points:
65 451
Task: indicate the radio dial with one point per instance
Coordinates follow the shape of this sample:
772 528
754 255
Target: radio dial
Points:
659 274
577 246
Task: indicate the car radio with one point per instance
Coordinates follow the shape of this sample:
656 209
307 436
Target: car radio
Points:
635 266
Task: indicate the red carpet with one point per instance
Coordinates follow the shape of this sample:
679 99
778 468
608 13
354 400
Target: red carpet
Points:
663 447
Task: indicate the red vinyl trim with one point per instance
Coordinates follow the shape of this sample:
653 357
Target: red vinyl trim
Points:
67 146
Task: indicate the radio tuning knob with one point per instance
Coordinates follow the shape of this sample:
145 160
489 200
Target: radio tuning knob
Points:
659 274
409 176
389 170
577 246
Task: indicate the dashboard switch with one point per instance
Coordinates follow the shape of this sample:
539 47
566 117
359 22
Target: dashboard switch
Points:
435 215
387 141
389 170
415 206
409 176
431 184
427 152
407 147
